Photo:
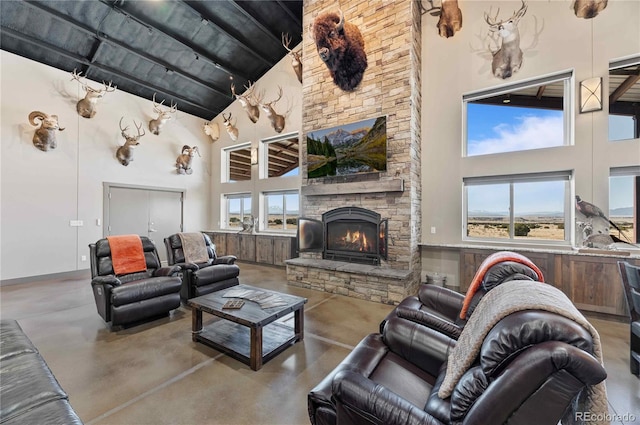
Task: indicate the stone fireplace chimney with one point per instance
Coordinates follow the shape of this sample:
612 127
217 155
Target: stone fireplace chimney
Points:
390 87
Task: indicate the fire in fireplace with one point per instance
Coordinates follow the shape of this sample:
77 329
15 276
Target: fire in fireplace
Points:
346 234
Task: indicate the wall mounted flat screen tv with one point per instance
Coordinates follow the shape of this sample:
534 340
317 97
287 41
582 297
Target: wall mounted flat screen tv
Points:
360 147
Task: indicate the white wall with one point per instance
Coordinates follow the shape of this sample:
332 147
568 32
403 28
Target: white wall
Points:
42 191
459 65
282 75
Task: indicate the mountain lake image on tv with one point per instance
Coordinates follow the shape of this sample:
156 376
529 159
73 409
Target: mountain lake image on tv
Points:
355 148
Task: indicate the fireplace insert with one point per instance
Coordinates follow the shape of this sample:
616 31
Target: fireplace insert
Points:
349 234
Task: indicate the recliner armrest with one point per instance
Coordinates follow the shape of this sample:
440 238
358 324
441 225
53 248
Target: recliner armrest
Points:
168 271
360 400
226 259
188 266
444 300
430 320
106 280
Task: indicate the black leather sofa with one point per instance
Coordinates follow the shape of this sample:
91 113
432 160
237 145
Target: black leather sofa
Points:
131 298
219 272
29 393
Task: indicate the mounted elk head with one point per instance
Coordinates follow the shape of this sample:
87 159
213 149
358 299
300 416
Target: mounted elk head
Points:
155 125
341 48
183 162
507 59
277 121
588 9
87 107
245 99
125 153
45 136
230 127
296 59
450 18
212 130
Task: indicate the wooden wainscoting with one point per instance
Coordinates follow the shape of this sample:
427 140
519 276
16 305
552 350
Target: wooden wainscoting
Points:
263 249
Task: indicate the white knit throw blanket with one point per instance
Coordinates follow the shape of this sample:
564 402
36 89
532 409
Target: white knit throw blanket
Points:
506 299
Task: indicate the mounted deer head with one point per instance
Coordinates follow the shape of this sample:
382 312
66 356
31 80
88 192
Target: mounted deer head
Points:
250 107
183 162
230 127
450 18
296 59
277 121
507 59
155 125
212 130
45 136
588 9
87 107
125 153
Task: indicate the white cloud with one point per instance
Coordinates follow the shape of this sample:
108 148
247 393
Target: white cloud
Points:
531 132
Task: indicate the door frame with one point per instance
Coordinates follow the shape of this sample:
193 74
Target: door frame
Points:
107 186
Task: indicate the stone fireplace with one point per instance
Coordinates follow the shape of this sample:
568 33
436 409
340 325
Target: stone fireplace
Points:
391 88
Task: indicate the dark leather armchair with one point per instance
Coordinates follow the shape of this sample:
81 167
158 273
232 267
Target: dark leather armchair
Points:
129 298
630 275
202 278
532 366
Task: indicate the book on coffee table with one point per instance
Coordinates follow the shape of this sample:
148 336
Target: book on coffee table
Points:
233 304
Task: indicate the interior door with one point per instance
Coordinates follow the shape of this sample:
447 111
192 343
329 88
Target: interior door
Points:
145 212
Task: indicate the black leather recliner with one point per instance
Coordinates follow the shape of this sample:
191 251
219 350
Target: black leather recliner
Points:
630 275
130 298
532 366
200 279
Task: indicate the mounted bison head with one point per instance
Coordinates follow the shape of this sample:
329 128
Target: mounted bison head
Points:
341 47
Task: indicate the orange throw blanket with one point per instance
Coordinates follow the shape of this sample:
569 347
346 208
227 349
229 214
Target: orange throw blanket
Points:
490 261
127 254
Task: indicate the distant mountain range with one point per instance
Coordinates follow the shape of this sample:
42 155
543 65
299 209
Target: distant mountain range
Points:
622 212
342 137
616 212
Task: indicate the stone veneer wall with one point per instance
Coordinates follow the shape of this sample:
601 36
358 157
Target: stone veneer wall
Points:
391 86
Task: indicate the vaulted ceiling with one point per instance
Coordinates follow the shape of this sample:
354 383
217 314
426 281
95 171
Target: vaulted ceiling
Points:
188 52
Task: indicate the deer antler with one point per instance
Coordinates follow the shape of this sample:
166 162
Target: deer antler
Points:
279 97
78 76
156 106
286 40
123 130
492 21
139 127
108 88
520 13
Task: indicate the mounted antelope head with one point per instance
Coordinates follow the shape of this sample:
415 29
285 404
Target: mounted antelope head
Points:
125 153
155 125
507 59
183 162
230 127
87 107
250 107
277 121
296 59
588 9
212 130
45 136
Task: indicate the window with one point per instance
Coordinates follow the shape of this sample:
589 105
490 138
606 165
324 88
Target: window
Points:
528 115
523 207
281 156
235 208
624 95
282 210
624 192
236 163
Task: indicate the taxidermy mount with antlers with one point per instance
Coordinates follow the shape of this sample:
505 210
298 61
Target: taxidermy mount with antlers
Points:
87 107
125 152
245 99
45 136
588 9
296 59
155 125
212 130
507 60
277 121
231 128
450 17
341 47
183 162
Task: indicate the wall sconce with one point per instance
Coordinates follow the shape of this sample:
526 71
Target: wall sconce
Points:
591 95
254 156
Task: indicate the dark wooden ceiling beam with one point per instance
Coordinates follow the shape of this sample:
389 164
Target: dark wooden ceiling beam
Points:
540 92
257 22
288 11
546 102
622 88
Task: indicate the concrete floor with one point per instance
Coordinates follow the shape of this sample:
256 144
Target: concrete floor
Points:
155 374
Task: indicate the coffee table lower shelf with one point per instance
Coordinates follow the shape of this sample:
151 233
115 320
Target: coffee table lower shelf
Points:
237 341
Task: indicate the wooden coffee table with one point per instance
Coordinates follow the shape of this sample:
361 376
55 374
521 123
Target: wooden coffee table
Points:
249 334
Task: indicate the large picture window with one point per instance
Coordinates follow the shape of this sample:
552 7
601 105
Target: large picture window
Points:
282 210
523 207
624 94
236 163
236 207
529 115
281 156
624 192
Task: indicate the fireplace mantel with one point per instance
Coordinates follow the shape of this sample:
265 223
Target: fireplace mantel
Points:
393 185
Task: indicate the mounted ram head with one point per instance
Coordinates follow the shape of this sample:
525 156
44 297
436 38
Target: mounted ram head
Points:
45 136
